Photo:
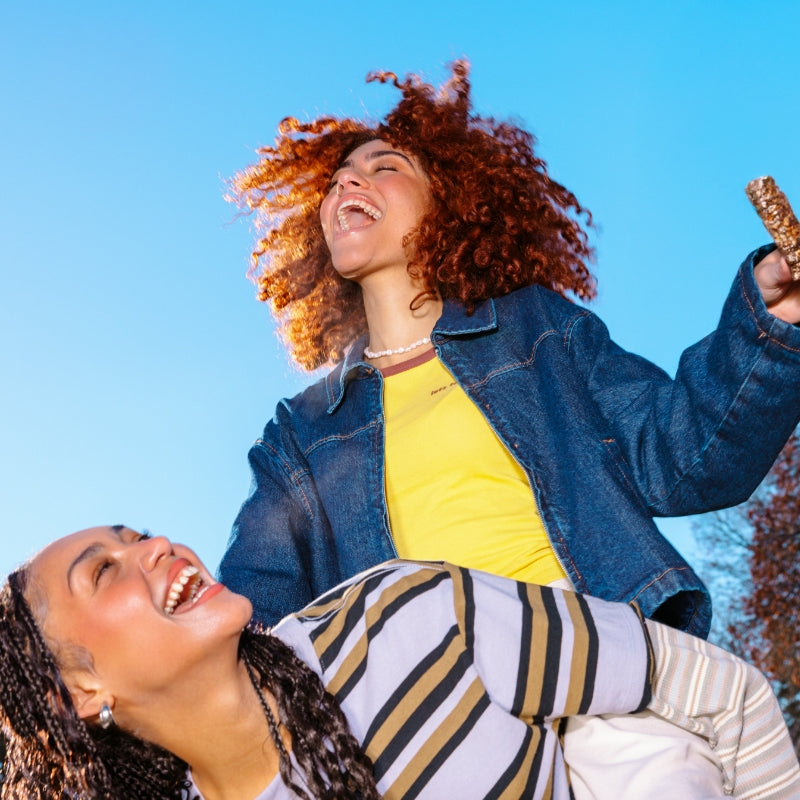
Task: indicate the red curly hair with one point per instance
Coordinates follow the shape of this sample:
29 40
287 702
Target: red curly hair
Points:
497 222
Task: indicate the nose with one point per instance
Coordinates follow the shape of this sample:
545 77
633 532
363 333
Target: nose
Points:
153 550
350 178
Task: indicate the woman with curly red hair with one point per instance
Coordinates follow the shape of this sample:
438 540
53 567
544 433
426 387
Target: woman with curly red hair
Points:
476 413
495 222
439 224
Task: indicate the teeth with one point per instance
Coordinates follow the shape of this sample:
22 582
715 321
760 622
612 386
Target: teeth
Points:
198 594
368 209
178 585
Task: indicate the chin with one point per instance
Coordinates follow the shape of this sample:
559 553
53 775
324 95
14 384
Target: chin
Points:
228 611
349 273
239 607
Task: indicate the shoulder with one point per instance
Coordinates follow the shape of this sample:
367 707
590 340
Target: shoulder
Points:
296 415
311 401
375 589
520 322
406 602
547 305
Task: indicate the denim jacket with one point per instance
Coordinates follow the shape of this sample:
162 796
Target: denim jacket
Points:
607 440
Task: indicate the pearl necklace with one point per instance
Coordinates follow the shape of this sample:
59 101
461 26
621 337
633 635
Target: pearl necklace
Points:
380 353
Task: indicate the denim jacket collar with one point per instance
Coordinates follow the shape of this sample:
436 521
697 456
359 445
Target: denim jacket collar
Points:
346 370
454 321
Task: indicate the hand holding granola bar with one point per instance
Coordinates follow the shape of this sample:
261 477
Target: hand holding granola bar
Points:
780 221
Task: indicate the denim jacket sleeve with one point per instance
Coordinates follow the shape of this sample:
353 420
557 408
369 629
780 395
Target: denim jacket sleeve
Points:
704 440
269 554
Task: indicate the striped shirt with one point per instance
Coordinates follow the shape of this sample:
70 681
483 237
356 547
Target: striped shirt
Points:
455 681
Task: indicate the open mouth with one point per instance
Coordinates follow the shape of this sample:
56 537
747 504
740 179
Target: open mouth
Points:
356 213
187 588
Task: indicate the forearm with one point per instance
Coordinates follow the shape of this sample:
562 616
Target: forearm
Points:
577 654
704 439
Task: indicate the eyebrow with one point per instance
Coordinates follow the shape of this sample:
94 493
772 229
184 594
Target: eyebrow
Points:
377 154
89 552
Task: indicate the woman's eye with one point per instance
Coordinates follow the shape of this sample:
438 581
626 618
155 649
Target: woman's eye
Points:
145 534
334 181
101 568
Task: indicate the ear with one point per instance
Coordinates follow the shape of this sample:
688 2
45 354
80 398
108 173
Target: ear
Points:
87 692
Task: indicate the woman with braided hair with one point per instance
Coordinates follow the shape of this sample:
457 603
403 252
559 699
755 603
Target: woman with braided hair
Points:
125 672
49 683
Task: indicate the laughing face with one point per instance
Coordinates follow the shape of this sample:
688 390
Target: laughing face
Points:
143 608
377 196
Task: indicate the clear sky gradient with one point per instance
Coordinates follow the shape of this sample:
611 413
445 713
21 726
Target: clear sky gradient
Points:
136 366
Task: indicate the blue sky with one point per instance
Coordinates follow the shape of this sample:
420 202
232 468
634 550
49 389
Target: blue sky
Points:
136 367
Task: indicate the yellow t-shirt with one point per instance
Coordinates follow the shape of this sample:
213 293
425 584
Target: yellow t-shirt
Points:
453 490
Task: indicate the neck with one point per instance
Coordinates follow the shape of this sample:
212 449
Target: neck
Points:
391 321
225 739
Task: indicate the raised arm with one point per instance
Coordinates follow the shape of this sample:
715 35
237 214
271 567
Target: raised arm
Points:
705 439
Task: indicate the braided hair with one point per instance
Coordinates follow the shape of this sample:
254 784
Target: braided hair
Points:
332 762
50 752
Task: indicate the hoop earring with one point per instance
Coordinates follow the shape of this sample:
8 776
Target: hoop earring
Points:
106 717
